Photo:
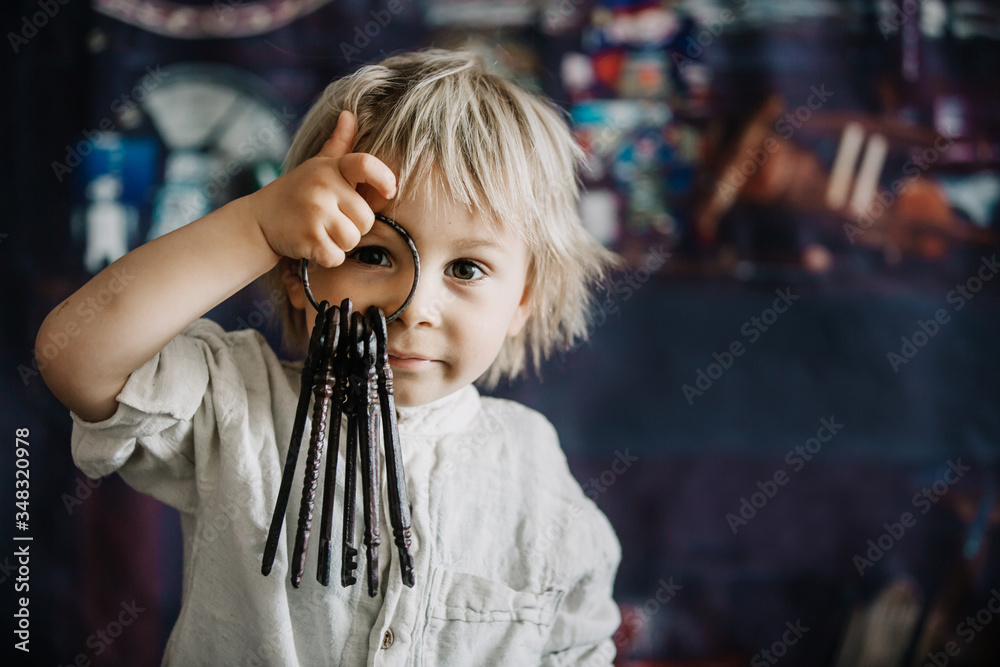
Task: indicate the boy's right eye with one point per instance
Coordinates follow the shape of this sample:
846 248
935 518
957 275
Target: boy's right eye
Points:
371 255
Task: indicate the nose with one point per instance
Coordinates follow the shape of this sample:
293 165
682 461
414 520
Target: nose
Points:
429 301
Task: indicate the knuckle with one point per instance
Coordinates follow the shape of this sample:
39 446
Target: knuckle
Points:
364 160
351 236
314 236
367 222
305 250
312 210
332 256
368 163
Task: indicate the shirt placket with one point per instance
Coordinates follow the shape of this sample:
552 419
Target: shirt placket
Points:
392 640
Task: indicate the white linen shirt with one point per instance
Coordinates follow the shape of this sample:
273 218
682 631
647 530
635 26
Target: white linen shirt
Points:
513 564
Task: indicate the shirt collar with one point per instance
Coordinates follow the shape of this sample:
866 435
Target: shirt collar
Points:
448 414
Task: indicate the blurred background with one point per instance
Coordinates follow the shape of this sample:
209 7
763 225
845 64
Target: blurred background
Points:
789 407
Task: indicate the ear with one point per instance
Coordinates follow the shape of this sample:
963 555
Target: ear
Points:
521 314
293 283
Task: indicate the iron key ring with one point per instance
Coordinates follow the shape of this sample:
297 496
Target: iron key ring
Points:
304 274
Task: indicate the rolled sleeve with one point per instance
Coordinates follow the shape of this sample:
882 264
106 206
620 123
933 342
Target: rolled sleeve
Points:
163 409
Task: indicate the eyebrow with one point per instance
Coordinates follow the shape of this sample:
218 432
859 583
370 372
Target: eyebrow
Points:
472 244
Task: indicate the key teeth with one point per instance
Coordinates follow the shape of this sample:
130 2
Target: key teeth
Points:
347 568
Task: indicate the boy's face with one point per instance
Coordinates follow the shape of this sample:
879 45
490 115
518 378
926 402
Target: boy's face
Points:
471 296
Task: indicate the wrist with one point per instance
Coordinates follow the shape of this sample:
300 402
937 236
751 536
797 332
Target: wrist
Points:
246 217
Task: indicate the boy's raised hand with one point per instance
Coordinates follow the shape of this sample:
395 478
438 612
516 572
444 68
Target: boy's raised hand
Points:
315 211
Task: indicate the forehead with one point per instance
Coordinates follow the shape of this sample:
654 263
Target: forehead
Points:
433 215
427 190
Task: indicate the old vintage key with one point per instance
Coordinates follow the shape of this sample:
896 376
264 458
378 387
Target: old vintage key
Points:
346 371
399 506
330 482
323 389
298 428
368 431
349 552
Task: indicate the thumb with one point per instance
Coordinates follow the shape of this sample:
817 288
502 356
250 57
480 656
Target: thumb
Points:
342 139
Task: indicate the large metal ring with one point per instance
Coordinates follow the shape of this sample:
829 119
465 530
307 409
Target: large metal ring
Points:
416 269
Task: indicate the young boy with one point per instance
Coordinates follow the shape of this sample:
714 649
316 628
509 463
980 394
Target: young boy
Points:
513 564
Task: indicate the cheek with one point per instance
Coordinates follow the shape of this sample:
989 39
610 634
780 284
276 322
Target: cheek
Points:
363 287
327 283
486 331
340 283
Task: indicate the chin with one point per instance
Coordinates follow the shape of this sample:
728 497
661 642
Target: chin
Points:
412 397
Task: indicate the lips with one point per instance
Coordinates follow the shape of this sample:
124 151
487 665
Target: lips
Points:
408 361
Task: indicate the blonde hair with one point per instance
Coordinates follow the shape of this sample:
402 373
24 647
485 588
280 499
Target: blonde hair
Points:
445 125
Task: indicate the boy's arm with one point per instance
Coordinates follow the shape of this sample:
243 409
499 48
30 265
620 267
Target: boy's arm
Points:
133 308
129 311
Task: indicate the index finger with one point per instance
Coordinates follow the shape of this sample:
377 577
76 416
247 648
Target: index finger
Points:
366 168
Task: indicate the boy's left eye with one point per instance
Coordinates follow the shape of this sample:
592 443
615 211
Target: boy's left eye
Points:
371 255
463 269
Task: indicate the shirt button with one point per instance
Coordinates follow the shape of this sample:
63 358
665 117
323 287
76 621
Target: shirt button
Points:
387 639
